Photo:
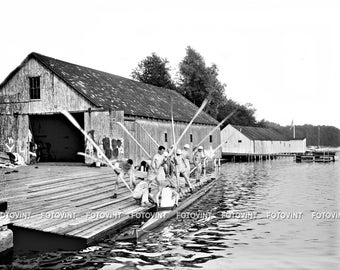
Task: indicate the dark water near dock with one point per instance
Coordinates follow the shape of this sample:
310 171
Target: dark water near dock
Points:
265 215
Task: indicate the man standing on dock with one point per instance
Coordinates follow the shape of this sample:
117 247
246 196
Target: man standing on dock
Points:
181 169
156 173
198 160
186 158
121 169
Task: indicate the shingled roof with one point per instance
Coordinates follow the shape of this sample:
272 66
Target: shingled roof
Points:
118 93
261 134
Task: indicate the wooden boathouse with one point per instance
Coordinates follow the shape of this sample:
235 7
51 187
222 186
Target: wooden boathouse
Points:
34 94
245 143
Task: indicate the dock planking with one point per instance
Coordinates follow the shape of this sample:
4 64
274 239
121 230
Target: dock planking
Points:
67 201
75 194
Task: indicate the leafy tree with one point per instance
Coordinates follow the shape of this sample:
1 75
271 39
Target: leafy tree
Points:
243 116
194 76
154 70
216 92
197 82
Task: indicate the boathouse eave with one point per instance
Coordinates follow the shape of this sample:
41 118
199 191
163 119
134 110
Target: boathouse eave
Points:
129 117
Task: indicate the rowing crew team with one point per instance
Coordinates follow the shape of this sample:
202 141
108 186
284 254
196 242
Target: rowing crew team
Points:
159 185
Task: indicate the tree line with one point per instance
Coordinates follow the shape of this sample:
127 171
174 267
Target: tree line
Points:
315 135
197 81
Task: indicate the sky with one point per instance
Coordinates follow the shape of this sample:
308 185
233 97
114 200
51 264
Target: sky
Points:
281 56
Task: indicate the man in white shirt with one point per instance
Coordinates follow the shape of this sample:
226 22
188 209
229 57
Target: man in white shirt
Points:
167 197
141 191
181 169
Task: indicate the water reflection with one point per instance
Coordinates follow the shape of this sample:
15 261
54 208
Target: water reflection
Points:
239 225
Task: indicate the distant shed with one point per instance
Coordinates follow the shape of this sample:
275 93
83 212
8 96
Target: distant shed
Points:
258 141
33 94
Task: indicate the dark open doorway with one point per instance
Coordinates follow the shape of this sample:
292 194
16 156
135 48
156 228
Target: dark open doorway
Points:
57 139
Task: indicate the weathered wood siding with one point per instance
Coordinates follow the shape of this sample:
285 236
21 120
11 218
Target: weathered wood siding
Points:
106 133
158 129
55 96
102 127
236 141
13 134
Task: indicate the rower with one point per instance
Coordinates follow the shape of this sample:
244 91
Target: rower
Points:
167 197
198 162
121 169
141 191
181 169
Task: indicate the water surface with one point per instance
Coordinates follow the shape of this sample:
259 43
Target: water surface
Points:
264 215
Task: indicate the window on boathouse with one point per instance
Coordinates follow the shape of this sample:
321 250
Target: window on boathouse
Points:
165 137
239 141
210 138
191 139
34 87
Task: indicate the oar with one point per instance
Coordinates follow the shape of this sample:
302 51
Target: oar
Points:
133 138
220 124
188 126
172 120
147 133
94 158
218 147
75 123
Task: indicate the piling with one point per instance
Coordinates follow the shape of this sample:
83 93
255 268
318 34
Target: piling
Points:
6 236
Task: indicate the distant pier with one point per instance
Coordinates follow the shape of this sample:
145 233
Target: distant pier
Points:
240 157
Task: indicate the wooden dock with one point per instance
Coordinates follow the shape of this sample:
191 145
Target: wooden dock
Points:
317 156
65 207
68 206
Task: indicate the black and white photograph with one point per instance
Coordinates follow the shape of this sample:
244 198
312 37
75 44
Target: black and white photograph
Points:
173 135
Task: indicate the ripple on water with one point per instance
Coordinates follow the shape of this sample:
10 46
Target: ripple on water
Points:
256 242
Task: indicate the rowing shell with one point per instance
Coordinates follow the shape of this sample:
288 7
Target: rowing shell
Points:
164 214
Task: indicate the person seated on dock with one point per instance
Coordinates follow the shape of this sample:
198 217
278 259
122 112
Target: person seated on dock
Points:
121 169
144 166
141 191
167 197
198 162
181 169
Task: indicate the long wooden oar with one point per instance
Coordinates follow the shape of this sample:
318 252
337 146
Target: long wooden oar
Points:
147 133
75 123
204 103
95 159
172 120
133 138
218 147
220 124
